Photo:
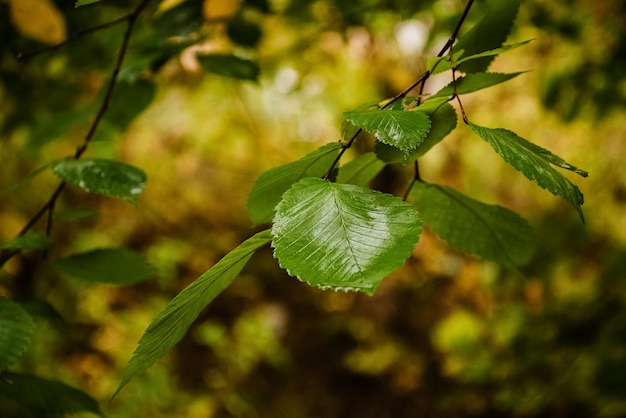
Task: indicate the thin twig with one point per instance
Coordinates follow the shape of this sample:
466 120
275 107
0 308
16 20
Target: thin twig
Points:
48 207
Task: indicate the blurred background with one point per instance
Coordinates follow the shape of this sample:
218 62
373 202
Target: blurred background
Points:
445 336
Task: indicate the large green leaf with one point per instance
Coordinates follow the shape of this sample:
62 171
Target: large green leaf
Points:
46 397
106 177
16 330
230 66
405 130
534 162
487 231
341 236
271 185
107 265
488 34
474 82
361 170
443 120
169 326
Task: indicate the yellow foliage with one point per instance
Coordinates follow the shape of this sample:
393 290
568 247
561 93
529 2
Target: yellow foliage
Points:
39 20
220 9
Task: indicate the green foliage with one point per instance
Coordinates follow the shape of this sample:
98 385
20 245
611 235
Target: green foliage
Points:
16 331
361 170
106 177
488 231
107 265
34 241
169 326
474 82
230 66
341 236
534 162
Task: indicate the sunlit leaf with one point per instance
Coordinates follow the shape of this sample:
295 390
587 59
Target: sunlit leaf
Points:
436 65
107 265
169 326
80 3
361 170
271 185
474 82
106 177
341 236
230 66
405 130
443 120
492 52
488 34
534 162
32 241
487 231
39 20
16 331
47 397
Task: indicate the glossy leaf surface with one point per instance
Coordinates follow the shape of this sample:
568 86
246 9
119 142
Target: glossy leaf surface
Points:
271 185
487 231
107 265
106 177
534 162
16 331
405 130
341 236
169 326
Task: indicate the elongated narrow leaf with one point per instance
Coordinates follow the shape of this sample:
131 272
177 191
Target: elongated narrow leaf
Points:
230 66
361 170
443 120
488 34
33 241
169 326
341 236
47 397
534 162
16 330
271 185
487 231
438 65
106 177
492 52
405 130
107 265
474 82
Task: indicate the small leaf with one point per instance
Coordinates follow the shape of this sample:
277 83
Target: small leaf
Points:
443 120
107 265
80 3
361 170
492 52
16 331
534 162
230 66
244 32
129 99
474 82
169 326
106 177
47 397
31 241
74 215
39 308
405 130
271 185
39 20
341 236
487 231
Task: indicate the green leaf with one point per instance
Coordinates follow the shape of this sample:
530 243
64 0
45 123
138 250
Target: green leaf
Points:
244 32
169 326
39 308
107 265
106 177
436 65
271 185
16 331
474 82
129 99
488 34
361 170
487 231
443 120
80 3
405 130
534 162
74 215
341 236
47 397
492 52
32 241
230 66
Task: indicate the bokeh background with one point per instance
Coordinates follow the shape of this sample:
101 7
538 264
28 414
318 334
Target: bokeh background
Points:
447 335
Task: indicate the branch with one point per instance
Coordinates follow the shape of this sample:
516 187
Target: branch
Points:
48 207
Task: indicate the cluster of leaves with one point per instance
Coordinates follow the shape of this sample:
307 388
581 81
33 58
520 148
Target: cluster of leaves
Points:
328 228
